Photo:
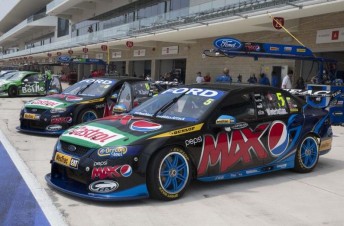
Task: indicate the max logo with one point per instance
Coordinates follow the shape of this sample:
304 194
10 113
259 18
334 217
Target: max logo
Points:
227 151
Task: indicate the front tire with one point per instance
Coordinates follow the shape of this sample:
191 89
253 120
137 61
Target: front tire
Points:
87 115
307 155
12 91
169 174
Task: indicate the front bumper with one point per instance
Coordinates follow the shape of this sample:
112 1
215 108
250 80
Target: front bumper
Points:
77 189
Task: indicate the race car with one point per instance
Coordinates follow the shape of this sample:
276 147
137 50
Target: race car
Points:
86 100
206 132
27 83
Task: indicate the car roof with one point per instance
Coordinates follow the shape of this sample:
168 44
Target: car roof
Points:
122 78
230 87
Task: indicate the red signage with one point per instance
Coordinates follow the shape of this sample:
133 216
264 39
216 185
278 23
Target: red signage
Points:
103 47
58 53
85 50
129 44
335 35
70 52
49 54
278 22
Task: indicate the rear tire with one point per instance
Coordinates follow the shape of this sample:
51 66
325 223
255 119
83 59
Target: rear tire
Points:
169 174
307 155
86 115
12 91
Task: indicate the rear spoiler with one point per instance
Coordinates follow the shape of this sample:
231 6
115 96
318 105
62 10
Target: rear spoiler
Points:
318 96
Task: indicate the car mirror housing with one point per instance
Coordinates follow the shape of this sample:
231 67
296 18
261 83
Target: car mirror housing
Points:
119 109
114 97
225 120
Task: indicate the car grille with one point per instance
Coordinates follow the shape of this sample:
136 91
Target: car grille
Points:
35 110
79 151
32 124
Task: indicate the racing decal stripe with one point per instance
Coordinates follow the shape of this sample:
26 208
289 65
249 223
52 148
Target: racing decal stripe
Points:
181 131
92 101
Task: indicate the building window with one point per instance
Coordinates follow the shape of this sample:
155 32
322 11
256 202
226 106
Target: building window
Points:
62 27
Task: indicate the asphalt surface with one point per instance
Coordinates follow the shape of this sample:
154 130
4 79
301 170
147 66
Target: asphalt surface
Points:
280 198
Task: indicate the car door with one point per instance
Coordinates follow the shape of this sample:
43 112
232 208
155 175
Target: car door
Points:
281 114
31 85
231 149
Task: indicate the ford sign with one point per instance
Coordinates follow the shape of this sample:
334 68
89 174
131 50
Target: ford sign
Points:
227 43
64 59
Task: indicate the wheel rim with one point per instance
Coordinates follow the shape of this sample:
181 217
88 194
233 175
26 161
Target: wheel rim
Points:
89 116
309 152
173 172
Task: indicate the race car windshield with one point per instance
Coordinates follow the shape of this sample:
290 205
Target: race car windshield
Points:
88 88
182 104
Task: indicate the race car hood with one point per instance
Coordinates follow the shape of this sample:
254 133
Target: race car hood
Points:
125 130
3 82
60 101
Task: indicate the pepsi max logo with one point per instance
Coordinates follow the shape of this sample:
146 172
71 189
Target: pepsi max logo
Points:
126 170
227 43
144 126
278 138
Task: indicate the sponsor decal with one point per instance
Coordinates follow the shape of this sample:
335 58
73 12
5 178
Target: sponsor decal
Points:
277 138
92 101
288 49
252 171
112 151
279 111
34 88
260 106
227 150
178 132
227 43
31 116
45 103
195 91
274 48
100 106
73 98
61 120
261 112
99 81
239 125
66 160
144 126
103 186
281 166
300 50
53 128
111 172
337 113
193 141
103 163
93 134
71 148
252 47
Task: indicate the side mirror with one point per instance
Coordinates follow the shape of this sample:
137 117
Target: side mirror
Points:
26 80
53 91
119 109
225 120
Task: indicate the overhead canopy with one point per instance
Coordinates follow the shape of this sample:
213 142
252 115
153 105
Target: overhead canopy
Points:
231 47
68 59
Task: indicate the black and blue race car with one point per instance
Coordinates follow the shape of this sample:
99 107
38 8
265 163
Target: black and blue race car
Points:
84 101
206 132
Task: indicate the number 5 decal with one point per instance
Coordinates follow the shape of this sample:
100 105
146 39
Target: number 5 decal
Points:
281 102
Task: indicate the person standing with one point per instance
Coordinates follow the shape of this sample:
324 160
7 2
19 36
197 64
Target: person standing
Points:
286 82
264 80
225 77
48 77
199 77
274 79
207 77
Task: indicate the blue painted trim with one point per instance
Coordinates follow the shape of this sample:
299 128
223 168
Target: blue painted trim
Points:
40 132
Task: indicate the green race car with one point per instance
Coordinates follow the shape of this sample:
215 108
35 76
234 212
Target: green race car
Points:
27 83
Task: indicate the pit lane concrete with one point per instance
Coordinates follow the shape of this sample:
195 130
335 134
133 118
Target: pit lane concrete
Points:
280 198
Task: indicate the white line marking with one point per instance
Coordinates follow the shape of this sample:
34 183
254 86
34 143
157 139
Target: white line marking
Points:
52 214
